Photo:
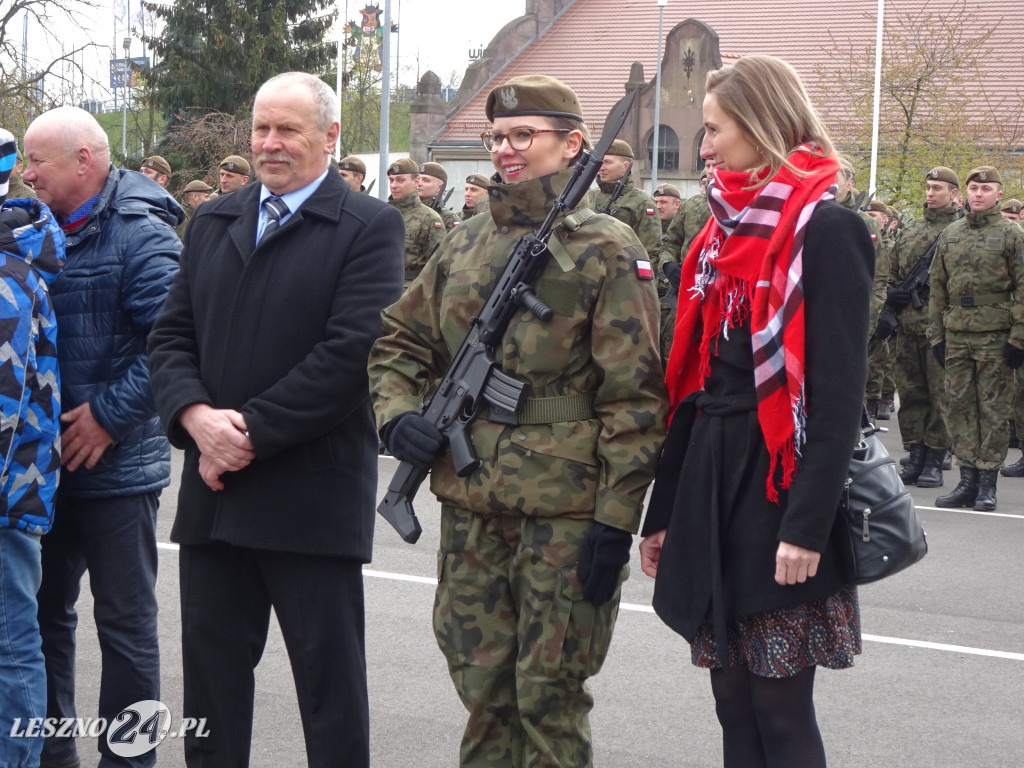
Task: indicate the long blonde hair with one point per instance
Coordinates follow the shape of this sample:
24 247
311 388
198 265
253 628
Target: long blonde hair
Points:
768 101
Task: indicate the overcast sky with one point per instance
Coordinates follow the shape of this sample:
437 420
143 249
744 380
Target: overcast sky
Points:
432 36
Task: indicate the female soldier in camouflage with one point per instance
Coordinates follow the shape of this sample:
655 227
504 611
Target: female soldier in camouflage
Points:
534 543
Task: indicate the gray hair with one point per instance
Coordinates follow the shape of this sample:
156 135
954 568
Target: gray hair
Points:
323 95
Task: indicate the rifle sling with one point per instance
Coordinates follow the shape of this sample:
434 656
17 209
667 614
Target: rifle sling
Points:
572 222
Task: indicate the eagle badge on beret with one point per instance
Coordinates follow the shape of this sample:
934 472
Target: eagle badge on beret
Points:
394 169
983 176
508 97
935 174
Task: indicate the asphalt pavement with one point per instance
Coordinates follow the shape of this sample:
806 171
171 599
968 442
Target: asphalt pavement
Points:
940 683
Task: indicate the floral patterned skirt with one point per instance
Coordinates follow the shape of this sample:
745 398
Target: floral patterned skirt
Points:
783 642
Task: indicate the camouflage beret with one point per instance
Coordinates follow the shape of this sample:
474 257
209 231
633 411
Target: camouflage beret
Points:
942 173
235 164
435 170
158 164
879 206
197 186
985 173
533 95
621 148
478 180
667 190
405 165
352 163
1012 205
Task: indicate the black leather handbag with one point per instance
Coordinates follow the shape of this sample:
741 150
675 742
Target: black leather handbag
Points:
877 528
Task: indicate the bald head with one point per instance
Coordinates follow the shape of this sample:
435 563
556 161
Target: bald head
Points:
67 158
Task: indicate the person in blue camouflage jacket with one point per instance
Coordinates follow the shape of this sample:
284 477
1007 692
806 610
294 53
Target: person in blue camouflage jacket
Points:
31 255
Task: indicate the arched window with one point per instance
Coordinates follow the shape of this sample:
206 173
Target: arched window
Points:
698 161
668 149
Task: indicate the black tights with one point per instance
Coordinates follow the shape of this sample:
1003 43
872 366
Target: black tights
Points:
767 722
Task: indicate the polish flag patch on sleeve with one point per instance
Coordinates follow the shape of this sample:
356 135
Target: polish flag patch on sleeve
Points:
438 225
643 270
649 211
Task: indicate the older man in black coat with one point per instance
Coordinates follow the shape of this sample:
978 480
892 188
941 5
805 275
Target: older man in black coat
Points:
259 370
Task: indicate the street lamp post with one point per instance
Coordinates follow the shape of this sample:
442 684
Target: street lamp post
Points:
125 74
657 98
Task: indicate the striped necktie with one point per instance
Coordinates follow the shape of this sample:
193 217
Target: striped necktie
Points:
276 208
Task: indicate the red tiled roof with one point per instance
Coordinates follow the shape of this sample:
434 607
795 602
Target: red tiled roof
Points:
592 45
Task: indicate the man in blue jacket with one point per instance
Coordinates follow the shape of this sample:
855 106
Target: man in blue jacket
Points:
30 257
122 254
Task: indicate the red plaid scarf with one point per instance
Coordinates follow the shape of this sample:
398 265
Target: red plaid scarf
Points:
748 262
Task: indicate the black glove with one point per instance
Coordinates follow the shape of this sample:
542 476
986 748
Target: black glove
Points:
939 350
412 438
672 270
894 297
605 551
1014 356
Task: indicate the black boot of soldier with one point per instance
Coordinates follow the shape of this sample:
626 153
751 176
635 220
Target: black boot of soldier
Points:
885 407
872 406
1014 470
947 460
986 500
965 493
915 464
931 474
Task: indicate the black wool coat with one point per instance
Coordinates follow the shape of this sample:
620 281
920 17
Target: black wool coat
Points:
718 558
281 332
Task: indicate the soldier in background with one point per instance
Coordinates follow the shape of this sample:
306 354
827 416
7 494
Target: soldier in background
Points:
977 331
633 206
430 182
921 380
880 391
476 195
17 188
690 219
424 229
156 168
234 173
1011 209
195 194
668 201
353 171
533 543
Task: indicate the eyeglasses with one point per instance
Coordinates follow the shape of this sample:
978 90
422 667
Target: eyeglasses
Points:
520 139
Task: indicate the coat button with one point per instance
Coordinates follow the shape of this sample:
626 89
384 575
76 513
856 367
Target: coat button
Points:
504 230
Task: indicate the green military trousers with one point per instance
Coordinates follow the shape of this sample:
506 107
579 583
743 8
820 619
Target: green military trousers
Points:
518 636
979 398
922 414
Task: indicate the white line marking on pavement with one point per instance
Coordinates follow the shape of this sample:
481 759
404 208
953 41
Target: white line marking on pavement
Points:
968 512
648 609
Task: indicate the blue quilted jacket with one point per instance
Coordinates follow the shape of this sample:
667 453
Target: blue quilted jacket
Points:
31 255
120 264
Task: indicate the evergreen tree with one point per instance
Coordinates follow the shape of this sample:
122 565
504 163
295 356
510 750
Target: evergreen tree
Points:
214 54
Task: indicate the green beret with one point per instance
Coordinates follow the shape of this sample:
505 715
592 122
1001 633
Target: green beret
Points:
21 158
405 165
942 173
198 186
621 148
1012 205
667 190
893 213
985 174
158 164
533 95
879 206
235 164
435 170
478 180
352 163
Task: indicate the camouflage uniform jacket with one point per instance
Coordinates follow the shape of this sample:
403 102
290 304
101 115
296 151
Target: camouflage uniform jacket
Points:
468 213
979 263
424 231
914 239
19 190
447 215
689 220
881 259
636 209
180 229
600 349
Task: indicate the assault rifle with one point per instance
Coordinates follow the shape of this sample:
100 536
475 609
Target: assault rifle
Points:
369 189
474 381
916 284
617 192
437 203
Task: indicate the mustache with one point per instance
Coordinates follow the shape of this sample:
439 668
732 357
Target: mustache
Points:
275 157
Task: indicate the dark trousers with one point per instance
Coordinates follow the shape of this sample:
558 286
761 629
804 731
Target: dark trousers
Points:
115 539
226 596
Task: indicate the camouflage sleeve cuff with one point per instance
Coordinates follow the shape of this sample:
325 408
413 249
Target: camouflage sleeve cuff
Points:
393 408
617 510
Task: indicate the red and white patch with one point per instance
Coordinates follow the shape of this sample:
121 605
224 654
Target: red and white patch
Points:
650 211
643 270
438 225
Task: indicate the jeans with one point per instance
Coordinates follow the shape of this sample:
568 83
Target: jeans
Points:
22 672
115 538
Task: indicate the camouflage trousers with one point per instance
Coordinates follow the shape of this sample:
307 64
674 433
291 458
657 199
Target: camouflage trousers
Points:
922 387
979 398
518 636
881 370
1018 401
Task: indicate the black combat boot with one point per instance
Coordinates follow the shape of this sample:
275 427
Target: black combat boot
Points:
1014 470
965 493
885 407
914 465
872 406
931 474
947 460
986 500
